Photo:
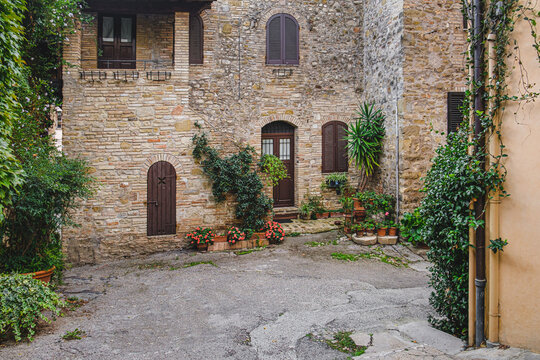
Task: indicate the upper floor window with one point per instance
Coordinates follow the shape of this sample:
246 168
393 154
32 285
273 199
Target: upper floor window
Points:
116 39
282 40
334 147
455 112
196 40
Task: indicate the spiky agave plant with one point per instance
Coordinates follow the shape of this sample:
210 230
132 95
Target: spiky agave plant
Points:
365 140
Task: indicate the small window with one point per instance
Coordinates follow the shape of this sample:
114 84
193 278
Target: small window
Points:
455 111
334 147
116 39
196 40
282 40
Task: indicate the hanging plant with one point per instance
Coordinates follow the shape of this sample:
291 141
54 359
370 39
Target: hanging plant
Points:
273 169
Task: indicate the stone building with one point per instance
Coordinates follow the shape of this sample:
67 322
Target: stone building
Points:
283 76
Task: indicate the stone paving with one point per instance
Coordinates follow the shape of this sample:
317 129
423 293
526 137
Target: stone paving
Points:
312 226
267 304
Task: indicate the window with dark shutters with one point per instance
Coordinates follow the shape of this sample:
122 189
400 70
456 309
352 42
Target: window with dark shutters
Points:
455 112
282 40
116 40
334 147
196 40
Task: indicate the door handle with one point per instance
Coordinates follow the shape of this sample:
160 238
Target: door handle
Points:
153 202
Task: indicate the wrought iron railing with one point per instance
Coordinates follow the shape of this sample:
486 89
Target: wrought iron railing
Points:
131 64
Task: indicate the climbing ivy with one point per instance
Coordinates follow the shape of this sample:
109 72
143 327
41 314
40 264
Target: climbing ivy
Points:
235 175
458 176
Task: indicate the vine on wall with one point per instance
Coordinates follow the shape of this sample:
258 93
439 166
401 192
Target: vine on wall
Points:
458 177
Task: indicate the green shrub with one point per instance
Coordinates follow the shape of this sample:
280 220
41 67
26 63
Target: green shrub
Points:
411 227
22 302
53 184
273 168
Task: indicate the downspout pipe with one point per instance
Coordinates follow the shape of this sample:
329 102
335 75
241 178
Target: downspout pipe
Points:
479 206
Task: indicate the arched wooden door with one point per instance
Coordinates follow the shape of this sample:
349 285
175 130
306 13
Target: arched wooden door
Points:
161 199
278 140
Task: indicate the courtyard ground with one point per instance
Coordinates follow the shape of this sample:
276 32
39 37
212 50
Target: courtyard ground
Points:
282 302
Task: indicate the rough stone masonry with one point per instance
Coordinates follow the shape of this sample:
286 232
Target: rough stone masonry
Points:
402 55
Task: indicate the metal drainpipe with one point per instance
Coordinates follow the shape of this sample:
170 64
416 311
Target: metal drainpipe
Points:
398 202
479 206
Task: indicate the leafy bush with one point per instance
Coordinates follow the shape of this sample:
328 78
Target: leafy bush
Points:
234 175
454 180
411 227
273 168
274 232
53 185
235 234
22 302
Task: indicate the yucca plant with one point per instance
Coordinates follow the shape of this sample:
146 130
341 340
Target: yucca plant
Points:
365 140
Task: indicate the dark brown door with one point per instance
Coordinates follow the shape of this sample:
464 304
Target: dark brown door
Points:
161 199
278 140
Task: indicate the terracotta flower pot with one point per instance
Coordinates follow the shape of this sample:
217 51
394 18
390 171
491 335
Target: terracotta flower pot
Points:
381 231
392 231
258 236
202 247
44 275
358 205
220 238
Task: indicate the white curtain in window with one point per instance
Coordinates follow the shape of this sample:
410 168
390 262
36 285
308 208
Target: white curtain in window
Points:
125 30
108 28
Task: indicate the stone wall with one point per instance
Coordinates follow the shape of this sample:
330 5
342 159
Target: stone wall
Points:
434 44
123 127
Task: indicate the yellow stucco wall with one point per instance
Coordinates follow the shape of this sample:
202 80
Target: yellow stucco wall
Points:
520 213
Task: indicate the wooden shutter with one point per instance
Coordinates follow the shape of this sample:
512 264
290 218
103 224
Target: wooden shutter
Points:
161 199
290 48
196 40
342 158
328 148
455 113
273 40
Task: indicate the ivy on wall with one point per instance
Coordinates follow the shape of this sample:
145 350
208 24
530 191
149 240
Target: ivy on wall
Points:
235 175
458 177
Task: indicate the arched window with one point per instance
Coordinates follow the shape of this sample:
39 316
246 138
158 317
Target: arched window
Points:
282 40
334 147
196 39
161 199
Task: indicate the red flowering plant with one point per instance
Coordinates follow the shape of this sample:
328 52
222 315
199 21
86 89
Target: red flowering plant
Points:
235 234
201 236
274 232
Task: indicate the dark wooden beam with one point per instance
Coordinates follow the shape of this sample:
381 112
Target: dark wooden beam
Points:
147 6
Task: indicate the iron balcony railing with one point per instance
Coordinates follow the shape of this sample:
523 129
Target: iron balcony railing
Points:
131 64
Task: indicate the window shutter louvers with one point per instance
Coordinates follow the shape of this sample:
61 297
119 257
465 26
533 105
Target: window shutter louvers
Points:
328 155
291 41
342 159
274 41
196 38
455 114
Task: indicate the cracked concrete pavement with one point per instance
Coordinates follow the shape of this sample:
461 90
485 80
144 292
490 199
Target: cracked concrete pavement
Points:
254 306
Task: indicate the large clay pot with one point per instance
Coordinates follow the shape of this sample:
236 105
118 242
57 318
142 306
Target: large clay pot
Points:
381 231
392 231
44 275
202 247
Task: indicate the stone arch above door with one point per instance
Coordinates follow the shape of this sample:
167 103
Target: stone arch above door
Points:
173 160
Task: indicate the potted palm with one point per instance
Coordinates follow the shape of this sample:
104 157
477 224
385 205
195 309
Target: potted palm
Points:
365 140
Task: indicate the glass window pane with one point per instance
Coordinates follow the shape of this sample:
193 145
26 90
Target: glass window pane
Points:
285 149
108 28
125 30
268 147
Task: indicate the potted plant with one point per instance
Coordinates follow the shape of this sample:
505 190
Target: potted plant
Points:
235 234
381 229
365 141
370 228
274 232
335 181
392 228
201 238
220 238
304 211
359 229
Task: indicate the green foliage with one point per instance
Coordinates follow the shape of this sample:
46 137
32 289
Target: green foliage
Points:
235 234
22 302
74 335
365 138
11 65
411 226
497 245
311 206
201 236
52 188
334 181
274 232
273 168
342 342
234 175
196 263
